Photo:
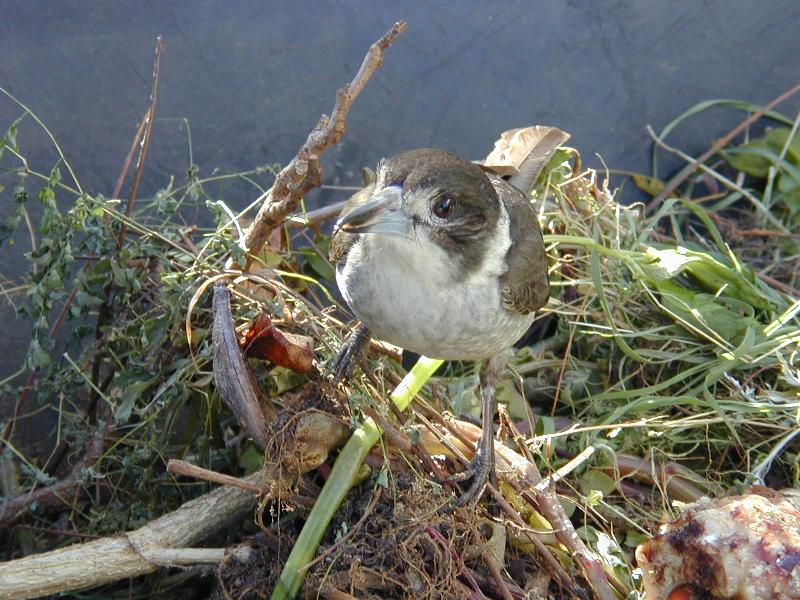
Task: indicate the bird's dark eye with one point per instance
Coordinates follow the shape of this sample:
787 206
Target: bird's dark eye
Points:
444 207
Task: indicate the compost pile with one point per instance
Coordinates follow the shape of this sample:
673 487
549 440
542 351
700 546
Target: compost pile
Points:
664 368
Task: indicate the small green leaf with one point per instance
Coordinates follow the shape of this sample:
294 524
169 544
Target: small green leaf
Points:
37 355
383 477
286 379
123 410
633 538
251 459
597 481
318 264
749 160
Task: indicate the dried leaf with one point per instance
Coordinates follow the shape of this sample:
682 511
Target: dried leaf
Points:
522 153
265 341
235 381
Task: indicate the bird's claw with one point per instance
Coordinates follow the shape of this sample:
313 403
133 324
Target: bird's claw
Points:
349 354
480 468
480 471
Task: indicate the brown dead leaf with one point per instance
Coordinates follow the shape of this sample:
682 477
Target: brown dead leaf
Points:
522 153
266 342
232 375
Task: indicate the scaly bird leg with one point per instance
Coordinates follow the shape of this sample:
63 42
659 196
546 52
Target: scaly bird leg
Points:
481 469
350 353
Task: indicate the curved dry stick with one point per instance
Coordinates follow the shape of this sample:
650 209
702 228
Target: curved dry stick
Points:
304 172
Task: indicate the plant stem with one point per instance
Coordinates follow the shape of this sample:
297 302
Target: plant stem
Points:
342 477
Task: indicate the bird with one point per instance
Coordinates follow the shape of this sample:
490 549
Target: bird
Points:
445 259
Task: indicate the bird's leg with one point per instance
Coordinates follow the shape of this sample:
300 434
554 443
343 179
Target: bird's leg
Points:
350 353
481 469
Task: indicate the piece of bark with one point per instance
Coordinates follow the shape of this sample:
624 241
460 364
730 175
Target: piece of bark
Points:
266 342
232 375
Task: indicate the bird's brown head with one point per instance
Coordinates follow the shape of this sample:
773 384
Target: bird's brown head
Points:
429 192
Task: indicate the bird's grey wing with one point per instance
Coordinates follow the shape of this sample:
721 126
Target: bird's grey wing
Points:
525 285
341 242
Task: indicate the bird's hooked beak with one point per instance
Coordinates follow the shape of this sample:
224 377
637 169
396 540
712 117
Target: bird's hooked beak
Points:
382 213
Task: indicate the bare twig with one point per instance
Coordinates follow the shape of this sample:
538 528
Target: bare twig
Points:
318 216
126 165
512 466
304 172
145 144
181 467
686 171
566 469
494 557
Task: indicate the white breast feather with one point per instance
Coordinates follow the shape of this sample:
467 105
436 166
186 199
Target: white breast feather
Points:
404 290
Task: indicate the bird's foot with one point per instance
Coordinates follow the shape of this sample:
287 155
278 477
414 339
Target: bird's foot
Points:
350 354
479 470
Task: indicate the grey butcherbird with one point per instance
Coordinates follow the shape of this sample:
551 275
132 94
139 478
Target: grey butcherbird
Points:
443 259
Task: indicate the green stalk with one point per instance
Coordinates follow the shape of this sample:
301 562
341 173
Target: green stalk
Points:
342 478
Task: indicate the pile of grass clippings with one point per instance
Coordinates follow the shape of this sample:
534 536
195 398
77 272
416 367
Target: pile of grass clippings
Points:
663 368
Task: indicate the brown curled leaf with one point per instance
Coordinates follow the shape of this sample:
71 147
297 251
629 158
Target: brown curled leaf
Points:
522 153
266 342
234 380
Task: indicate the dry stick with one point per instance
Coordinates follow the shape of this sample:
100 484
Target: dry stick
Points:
304 172
104 313
551 508
566 469
136 553
454 427
686 171
318 215
592 568
494 558
129 158
547 501
786 289
181 467
554 567
145 144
